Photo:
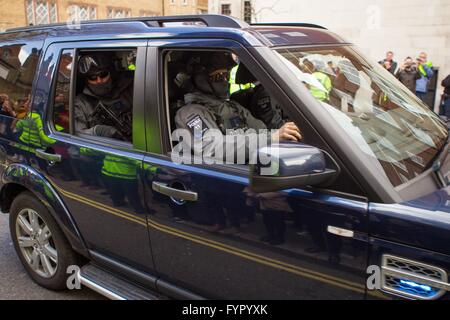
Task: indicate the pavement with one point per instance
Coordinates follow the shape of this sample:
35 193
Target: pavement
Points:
15 284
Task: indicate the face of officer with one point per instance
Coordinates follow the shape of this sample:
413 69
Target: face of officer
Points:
100 83
219 83
213 82
96 68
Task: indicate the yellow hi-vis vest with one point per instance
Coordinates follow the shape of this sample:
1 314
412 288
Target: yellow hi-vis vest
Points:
33 134
120 167
237 87
319 93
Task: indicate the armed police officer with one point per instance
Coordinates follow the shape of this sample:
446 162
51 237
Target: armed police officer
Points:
104 108
256 98
208 107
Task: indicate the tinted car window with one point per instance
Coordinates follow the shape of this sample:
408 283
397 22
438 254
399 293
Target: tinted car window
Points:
103 101
18 63
62 90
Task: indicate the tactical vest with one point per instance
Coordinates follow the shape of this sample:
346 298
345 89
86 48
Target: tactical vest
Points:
237 122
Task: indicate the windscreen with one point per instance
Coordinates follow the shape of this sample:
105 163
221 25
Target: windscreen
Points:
381 116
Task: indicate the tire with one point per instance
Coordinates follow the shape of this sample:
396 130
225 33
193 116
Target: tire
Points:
49 272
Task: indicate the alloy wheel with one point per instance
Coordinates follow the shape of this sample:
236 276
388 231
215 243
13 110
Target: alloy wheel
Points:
36 243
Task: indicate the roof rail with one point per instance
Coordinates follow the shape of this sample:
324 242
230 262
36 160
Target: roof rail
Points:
210 20
289 24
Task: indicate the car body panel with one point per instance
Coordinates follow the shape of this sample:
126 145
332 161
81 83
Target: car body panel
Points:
25 176
91 196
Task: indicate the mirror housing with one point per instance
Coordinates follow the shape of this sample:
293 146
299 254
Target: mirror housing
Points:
291 165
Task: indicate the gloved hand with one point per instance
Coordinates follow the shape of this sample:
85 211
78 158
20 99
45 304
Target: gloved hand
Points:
288 132
105 131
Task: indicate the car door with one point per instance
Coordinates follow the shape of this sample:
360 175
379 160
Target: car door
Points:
98 179
292 244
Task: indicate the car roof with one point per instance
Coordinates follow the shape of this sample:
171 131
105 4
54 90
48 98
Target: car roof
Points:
193 26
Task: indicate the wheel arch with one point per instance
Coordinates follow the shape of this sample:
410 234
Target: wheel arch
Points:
18 178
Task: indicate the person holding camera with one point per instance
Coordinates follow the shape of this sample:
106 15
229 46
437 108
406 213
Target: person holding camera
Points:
408 74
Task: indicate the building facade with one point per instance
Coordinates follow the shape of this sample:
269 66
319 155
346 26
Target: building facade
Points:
25 12
241 9
182 7
406 27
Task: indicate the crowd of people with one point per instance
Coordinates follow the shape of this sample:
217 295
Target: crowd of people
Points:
416 75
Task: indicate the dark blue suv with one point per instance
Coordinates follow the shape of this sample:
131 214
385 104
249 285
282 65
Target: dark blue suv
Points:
359 209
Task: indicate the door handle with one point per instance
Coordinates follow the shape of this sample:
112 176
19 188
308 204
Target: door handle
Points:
340 232
48 156
163 188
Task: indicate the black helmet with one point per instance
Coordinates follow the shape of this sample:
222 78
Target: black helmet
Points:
209 62
94 63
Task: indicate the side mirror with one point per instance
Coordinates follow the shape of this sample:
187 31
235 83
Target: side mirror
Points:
291 165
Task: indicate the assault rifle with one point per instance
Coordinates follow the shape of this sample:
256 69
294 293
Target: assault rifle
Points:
122 121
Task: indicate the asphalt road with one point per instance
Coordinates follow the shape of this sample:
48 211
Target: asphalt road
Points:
15 284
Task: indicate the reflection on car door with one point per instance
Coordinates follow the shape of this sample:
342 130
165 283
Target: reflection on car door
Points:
106 205
232 243
212 235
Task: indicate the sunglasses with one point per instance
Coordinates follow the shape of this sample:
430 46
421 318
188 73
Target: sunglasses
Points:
219 76
102 74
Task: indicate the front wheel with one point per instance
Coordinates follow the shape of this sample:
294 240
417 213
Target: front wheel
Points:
39 242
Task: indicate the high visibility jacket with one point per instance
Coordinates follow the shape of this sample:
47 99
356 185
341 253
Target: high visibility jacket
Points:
426 73
120 167
89 152
423 71
237 87
33 134
319 93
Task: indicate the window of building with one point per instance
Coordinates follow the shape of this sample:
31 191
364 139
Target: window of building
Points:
118 13
226 9
82 12
184 2
18 65
41 12
248 11
62 92
172 1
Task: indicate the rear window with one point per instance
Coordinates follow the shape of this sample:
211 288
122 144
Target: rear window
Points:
18 63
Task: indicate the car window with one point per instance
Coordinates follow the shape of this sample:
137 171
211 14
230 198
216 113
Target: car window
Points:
62 92
103 97
256 98
18 63
214 90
